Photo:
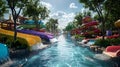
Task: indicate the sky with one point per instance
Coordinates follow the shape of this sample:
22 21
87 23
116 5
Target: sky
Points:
63 10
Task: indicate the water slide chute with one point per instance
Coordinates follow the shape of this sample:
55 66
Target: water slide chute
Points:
93 23
4 54
31 39
40 34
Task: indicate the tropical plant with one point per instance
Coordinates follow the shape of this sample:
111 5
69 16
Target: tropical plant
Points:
78 18
35 10
52 25
9 41
70 26
97 6
3 8
16 6
107 11
107 42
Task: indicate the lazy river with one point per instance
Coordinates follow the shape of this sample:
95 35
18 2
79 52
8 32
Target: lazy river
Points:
65 53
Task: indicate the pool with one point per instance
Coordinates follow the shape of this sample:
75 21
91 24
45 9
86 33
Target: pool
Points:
91 42
65 54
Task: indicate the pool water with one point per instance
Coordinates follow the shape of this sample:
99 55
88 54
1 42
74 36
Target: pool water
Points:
65 54
91 42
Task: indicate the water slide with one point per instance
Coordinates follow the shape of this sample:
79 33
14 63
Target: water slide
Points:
42 35
31 39
4 54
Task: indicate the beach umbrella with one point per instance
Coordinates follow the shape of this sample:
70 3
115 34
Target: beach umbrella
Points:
117 23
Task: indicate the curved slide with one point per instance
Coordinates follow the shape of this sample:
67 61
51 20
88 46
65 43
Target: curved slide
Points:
40 34
4 54
32 40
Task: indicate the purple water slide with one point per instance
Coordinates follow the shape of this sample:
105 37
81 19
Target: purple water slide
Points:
40 34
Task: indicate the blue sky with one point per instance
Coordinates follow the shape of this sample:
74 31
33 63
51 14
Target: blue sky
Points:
64 5
63 10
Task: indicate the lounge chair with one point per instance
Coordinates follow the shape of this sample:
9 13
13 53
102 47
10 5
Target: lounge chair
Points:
112 51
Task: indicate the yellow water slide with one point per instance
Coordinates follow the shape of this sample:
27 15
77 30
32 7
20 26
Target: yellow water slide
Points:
31 39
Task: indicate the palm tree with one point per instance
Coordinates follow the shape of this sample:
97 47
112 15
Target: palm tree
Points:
52 25
48 26
12 5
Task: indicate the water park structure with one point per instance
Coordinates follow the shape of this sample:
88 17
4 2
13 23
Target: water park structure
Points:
32 40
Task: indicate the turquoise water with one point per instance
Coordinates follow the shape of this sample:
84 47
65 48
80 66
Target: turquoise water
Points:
91 42
65 54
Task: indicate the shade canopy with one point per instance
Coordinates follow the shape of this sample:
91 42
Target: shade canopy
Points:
117 23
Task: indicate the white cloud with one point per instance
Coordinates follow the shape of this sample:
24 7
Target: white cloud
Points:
57 15
86 10
48 5
63 18
72 5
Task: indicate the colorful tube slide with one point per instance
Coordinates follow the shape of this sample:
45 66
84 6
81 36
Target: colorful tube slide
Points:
91 23
113 51
42 35
4 54
31 39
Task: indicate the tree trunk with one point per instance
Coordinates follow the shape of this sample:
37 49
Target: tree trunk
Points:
103 30
1 24
14 20
15 31
119 31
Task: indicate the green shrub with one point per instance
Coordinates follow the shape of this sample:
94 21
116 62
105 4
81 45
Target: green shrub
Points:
79 37
115 41
3 39
102 43
20 43
107 42
28 26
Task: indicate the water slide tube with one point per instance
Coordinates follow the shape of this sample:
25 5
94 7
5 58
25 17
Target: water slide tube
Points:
31 39
4 54
42 35
113 51
91 23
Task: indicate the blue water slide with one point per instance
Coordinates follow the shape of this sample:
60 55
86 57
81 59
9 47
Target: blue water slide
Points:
4 53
